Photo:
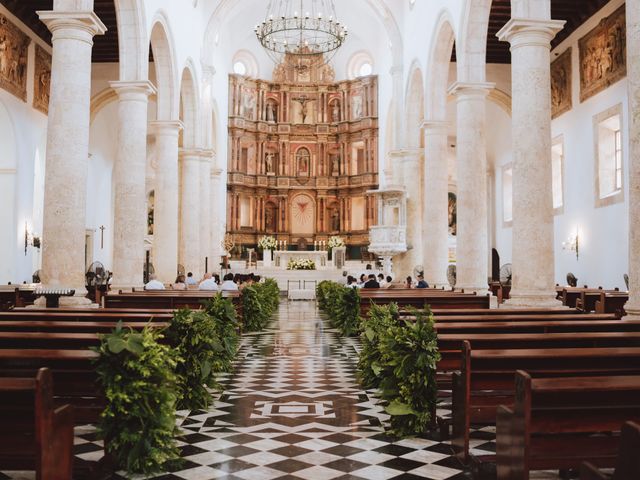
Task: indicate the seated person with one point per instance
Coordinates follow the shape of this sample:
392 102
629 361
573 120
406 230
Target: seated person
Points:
179 284
228 285
408 283
372 282
351 282
421 282
382 281
208 283
154 283
389 281
190 279
362 281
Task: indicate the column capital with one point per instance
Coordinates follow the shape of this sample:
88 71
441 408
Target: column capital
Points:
216 172
165 127
132 90
406 154
395 69
62 23
523 32
436 127
190 153
474 89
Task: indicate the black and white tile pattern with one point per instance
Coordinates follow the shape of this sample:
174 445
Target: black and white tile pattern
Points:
293 410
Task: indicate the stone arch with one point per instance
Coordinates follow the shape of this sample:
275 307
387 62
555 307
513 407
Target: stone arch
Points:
189 102
165 67
133 42
8 170
414 108
471 48
438 67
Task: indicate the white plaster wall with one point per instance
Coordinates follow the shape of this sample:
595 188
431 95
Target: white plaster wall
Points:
603 232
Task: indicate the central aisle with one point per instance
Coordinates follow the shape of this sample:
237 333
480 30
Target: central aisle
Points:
293 409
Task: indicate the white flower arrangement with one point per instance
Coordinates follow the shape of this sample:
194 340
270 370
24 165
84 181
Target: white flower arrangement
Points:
335 242
301 264
267 243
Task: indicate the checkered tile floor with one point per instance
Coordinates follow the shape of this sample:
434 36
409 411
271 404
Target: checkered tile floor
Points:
293 410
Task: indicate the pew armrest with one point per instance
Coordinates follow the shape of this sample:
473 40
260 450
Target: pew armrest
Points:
589 472
62 441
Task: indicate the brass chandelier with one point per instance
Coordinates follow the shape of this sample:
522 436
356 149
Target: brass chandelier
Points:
301 27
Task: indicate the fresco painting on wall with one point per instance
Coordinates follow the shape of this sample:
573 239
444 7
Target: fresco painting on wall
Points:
13 58
561 84
42 82
603 55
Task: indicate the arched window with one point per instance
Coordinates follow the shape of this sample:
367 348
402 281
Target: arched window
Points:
360 65
240 68
244 63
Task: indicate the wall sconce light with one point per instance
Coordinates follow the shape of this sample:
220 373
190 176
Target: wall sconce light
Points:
573 244
30 239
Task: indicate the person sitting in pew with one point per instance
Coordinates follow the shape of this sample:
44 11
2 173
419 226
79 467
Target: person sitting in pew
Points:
408 283
154 283
352 282
382 281
372 282
190 279
421 282
208 283
228 285
179 284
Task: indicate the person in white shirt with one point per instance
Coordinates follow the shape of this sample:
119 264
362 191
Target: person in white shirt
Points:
208 283
190 279
154 284
382 281
228 285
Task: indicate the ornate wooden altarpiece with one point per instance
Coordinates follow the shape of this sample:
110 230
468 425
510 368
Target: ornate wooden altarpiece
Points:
303 151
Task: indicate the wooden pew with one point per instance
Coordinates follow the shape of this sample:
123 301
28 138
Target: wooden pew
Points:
16 296
421 298
571 295
49 340
74 377
486 379
78 327
164 299
589 298
500 311
539 327
578 317
557 423
628 463
95 315
35 435
612 302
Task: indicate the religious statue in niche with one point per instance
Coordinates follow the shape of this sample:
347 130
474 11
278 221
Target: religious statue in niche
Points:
269 163
335 165
248 103
334 216
603 55
13 58
357 106
561 84
270 217
453 214
272 115
304 110
303 160
42 82
335 112
150 212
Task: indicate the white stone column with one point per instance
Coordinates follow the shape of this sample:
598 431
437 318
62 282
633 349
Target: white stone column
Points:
165 229
472 265
407 165
63 236
435 225
218 213
633 78
533 229
205 210
130 215
189 249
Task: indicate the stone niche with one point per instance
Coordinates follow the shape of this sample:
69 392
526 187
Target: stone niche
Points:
303 153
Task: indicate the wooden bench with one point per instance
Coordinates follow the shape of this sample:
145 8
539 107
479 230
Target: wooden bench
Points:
612 302
79 326
628 463
165 299
74 377
35 435
500 311
588 299
486 379
538 327
421 298
16 296
557 423
578 317
95 315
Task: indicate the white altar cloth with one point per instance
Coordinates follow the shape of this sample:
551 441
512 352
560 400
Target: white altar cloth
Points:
282 257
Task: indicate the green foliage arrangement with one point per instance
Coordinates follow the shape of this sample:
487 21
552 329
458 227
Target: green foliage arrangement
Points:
206 342
259 303
138 376
341 304
399 357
